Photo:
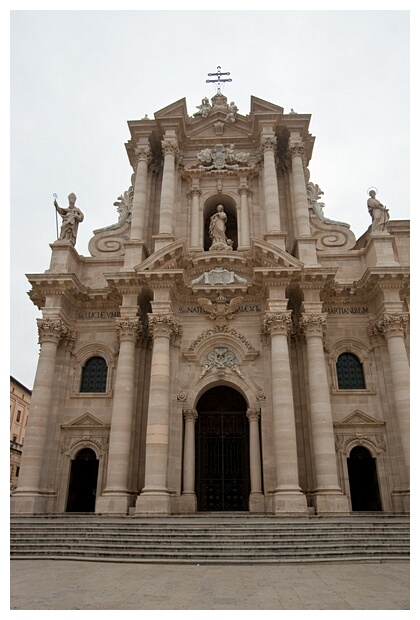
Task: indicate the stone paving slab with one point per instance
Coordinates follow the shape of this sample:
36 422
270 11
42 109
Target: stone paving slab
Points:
76 585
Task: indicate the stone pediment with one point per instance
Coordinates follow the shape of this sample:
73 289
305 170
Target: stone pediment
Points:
85 420
267 255
170 257
357 418
176 109
259 106
216 125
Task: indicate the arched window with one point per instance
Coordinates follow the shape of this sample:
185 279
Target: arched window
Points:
94 375
350 374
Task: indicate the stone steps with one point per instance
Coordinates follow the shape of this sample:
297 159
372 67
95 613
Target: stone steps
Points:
210 538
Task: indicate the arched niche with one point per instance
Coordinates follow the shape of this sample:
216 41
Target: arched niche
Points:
230 209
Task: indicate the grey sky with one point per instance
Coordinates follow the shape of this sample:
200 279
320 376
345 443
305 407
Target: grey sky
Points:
78 76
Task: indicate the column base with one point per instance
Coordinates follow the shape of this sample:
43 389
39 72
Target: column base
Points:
162 240
306 251
28 504
188 503
401 500
113 504
135 253
153 502
256 502
330 503
276 238
291 503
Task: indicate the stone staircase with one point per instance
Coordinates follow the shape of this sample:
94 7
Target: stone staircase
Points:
228 538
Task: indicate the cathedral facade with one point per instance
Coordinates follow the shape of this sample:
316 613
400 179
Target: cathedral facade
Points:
225 346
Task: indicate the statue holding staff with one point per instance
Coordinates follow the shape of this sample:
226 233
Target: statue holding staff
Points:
71 218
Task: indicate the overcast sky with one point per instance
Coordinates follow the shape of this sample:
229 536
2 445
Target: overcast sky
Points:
77 77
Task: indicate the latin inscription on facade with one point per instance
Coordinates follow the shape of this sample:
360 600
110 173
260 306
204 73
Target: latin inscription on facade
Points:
199 309
355 310
98 314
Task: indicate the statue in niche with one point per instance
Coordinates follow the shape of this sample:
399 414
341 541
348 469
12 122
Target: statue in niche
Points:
232 112
71 218
204 108
217 230
379 213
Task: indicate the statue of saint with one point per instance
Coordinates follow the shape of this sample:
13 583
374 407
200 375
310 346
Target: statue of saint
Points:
71 218
217 227
379 213
232 112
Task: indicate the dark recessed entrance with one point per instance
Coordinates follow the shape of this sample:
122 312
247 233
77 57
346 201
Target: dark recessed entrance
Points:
363 479
83 481
222 451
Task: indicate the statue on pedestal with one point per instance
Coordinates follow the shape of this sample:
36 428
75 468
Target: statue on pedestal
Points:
379 213
71 218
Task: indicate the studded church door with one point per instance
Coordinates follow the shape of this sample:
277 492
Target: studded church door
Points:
222 451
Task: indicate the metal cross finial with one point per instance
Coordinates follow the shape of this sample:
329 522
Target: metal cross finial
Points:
219 80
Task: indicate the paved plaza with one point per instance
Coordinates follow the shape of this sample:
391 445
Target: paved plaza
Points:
76 585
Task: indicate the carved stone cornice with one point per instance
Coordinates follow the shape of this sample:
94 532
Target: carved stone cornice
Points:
313 324
164 325
277 323
253 414
390 325
52 330
128 328
190 415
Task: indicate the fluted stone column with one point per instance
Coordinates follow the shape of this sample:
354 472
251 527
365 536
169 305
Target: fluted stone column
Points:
256 498
189 499
288 496
271 192
306 245
195 218
28 497
328 496
138 213
167 200
154 497
116 496
393 327
245 238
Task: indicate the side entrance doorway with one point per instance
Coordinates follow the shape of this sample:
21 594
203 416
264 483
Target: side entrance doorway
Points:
363 480
222 451
83 481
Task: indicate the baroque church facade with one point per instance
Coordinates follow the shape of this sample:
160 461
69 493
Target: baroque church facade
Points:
225 346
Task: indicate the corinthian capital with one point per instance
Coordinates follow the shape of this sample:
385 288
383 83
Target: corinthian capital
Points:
51 330
164 325
268 143
313 324
277 323
170 146
190 414
128 329
253 414
143 153
296 150
391 325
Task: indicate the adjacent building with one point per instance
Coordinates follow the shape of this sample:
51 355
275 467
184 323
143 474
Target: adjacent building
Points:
20 398
225 346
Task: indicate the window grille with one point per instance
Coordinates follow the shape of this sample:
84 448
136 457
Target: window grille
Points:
94 375
350 374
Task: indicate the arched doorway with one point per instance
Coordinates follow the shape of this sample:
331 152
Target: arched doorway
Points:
83 481
363 480
222 451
